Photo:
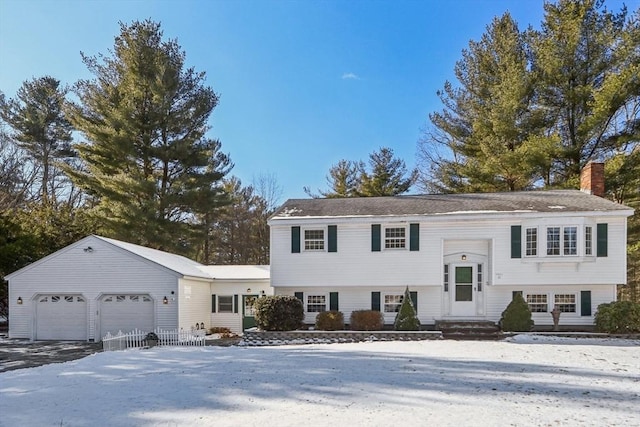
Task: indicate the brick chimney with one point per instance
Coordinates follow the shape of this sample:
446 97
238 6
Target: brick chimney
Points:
592 179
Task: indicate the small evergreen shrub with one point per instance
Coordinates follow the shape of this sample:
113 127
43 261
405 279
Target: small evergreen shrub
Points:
517 316
406 318
330 321
620 317
279 313
366 320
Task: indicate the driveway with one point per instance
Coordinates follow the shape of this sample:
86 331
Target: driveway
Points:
18 354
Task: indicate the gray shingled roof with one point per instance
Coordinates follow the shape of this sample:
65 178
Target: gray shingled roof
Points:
440 204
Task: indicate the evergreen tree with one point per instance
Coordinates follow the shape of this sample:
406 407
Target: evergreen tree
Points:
388 175
344 180
587 61
488 124
39 127
148 164
407 318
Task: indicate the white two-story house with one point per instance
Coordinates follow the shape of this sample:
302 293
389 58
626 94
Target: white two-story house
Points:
462 256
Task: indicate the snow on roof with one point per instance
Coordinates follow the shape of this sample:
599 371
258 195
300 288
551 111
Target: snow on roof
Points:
177 263
233 272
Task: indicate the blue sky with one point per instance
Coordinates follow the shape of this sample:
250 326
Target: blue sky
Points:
302 84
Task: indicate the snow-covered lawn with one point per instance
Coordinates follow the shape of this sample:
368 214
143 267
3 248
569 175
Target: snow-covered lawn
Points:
522 381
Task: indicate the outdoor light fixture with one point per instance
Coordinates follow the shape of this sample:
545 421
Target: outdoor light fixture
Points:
262 293
464 257
165 300
19 301
248 290
88 249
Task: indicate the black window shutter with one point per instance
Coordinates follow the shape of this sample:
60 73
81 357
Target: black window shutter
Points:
414 299
375 237
375 301
585 303
213 303
333 301
235 303
602 239
414 237
332 232
295 240
514 293
516 241
299 295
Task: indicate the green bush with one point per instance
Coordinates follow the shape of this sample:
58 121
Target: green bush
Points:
406 318
517 316
620 317
279 313
330 321
366 320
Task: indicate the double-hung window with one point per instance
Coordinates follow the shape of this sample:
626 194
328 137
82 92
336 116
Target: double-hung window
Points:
588 241
570 241
392 303
537 303
225 304
566 303
531 242
395 238
316 303
314 240
553 240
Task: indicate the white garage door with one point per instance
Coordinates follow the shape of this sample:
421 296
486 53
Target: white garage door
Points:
126 313
61 317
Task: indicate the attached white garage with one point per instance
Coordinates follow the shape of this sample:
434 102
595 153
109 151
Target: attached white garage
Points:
61 317
99 285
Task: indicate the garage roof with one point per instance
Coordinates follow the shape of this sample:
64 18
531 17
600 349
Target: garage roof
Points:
236 272
177 263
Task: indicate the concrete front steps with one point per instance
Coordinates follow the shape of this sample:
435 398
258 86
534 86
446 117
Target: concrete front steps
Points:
469 330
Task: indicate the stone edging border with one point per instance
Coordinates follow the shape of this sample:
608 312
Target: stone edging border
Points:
255 338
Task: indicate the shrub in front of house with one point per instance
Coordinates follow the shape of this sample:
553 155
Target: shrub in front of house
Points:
366 320
406 318
279 313
517 316
620 317
330 321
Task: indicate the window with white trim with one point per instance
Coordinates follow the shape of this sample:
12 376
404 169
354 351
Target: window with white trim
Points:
566 303
313 240
395 238
316 303
446 277
392 302
531 239
538 303
225 304
588 240
553 240
570 236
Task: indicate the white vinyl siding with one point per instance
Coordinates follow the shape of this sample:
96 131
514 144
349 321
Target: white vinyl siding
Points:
105 270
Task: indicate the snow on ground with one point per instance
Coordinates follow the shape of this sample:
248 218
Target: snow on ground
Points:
521 381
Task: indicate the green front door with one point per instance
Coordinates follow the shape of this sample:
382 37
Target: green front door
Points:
248 319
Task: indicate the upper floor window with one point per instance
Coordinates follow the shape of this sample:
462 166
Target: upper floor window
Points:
553 240
570 240
588 241
531 242
395 238
313 240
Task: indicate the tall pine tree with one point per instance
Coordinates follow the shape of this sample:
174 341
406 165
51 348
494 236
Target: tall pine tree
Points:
148 163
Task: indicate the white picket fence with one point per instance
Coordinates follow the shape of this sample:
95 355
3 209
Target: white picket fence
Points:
136 339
